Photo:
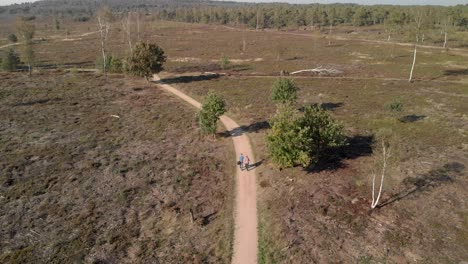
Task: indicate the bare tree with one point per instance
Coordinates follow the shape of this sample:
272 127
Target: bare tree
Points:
386 153
446 26
138 25
259 19
418 23
26 31
127 26
104 16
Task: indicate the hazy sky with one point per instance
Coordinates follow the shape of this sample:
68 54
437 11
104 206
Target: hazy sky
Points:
367 2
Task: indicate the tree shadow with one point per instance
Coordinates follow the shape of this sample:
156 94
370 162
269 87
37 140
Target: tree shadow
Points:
206 219
197 68
326 106
37 102
239 67
254 127
332 159
456 72
430 180
190 78
411 118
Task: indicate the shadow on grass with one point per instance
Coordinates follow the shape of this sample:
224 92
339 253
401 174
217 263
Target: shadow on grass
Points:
50 66
430 180
326 106
189 78
197 68
411 118
254 127
456 72
332 159
239 68
37 102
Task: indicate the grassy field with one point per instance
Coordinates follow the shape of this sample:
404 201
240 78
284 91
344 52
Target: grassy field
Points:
97 170
321 214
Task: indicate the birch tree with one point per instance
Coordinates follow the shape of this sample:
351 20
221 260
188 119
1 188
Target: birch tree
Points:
417 24
104 17
385 156
447 23
127 27
26 31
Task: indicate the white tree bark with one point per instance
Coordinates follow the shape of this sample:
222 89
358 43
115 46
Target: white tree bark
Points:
385 156
138 25
128 30
445 40
414 63
104 30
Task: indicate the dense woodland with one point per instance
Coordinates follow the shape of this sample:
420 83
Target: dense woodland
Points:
254 15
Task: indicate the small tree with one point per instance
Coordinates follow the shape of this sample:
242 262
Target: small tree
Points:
26 31
224 62
395 106
10 61
382 163
284 140
296 139
12 38
284 91
146 60
213 107
104 17
319 132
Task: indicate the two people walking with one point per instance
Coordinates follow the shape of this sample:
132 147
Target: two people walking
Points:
244 162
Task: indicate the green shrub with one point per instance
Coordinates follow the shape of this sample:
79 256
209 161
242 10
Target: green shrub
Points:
12 38
284 91
224 62
396 106
146 59
296 139
213 107
10 61
113 64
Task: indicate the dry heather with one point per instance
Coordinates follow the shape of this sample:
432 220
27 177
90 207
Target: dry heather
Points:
108 171
322 214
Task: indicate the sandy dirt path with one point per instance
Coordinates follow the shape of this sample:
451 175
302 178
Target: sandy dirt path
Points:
245 230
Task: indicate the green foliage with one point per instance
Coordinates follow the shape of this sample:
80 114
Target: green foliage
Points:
285 138
57 23
26 30
113 64
146 59
320 132
284 91
224 62
213 107
396 106
12 38
296 139
10 61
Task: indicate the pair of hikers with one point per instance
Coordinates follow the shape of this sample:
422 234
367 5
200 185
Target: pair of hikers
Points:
244 161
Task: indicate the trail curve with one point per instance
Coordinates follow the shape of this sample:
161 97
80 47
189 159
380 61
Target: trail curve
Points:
245 231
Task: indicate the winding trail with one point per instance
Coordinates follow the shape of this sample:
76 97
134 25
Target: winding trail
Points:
245 231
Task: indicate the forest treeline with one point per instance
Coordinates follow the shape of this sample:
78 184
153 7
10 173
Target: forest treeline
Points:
316 15
254 15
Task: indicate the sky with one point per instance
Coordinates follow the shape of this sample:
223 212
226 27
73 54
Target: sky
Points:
366 2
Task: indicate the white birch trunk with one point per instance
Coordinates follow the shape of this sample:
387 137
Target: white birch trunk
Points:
445 40
386 155
414 63
104 30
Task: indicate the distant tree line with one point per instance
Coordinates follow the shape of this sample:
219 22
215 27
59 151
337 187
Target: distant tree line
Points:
315 15
253 15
